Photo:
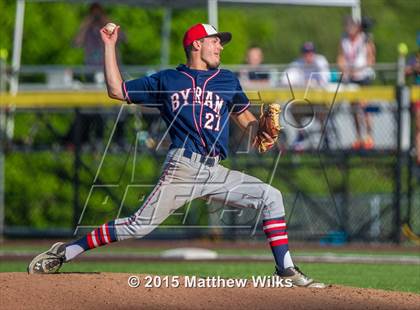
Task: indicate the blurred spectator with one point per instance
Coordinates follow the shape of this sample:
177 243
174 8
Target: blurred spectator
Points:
309 70
356 57
255 75
413 70
89 38
413 66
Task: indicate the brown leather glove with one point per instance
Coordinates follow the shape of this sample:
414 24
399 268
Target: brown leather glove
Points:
268 127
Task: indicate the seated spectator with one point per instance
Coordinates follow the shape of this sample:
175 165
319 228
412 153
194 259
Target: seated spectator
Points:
356 57
309 70
310 67
254 76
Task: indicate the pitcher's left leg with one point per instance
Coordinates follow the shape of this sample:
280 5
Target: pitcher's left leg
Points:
238 189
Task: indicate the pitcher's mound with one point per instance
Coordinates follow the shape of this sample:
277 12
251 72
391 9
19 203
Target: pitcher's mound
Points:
111 291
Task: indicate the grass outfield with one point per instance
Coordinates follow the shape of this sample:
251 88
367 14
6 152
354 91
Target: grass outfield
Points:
35 249
382 276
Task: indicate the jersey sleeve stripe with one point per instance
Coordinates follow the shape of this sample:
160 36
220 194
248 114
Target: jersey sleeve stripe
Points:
243 109
125 93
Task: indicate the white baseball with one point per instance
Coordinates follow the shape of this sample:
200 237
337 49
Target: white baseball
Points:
110 27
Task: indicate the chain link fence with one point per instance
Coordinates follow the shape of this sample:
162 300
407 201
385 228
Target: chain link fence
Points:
67 168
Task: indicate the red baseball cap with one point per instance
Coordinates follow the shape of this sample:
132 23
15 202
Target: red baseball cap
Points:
200 31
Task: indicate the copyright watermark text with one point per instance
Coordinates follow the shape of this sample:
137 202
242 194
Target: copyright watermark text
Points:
150 281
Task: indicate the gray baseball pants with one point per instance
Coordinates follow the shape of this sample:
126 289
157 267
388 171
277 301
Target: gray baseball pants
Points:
187 176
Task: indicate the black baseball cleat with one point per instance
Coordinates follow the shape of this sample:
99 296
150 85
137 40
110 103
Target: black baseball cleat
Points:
49 261
298 278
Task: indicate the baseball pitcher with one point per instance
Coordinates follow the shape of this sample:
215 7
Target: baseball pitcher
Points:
196 100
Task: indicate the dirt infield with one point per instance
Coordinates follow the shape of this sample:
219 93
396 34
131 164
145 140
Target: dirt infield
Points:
111 290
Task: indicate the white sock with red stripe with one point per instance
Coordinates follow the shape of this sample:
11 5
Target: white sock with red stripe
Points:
102 235
275 230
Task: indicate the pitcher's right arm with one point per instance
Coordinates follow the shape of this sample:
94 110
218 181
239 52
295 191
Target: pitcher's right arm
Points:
112 72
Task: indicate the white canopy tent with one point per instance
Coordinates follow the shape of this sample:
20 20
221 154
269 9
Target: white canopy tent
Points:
212 9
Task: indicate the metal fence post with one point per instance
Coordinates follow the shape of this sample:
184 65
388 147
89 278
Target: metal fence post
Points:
410 165
398 167
346 195
401 100
76 167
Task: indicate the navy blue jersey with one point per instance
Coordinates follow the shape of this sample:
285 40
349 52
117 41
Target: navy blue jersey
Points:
195 105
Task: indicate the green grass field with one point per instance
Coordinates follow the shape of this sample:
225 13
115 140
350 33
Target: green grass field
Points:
224 251
382 276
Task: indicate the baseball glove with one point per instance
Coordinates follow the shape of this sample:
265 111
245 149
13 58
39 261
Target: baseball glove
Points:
268 127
